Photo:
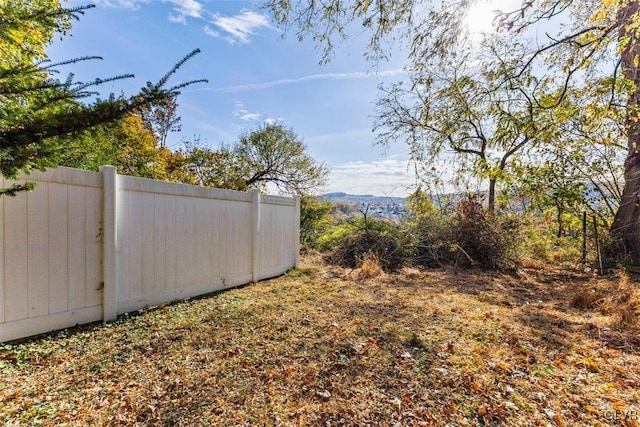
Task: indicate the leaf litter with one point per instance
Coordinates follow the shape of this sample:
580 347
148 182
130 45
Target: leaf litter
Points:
323 346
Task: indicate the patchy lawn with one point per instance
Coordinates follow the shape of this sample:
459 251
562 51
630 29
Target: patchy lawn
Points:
325 346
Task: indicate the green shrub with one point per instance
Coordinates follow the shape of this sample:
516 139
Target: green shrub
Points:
471 236
335 234
431 244
314 220
468 236
369 238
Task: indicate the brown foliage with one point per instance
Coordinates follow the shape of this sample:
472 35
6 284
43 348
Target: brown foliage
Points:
322 347
622 302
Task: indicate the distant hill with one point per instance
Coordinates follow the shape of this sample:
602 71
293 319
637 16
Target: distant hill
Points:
365 199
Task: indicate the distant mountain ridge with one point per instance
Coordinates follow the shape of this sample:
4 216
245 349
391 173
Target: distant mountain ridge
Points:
363 198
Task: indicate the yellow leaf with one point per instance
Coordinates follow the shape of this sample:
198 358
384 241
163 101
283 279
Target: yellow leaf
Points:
559 420
619 406
590 365
365 6
591 409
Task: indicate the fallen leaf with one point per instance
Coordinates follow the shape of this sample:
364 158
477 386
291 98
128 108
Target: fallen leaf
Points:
591 409
557 418
325 394
12 395
590 364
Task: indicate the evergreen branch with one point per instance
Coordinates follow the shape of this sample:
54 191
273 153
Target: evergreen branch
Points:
175 68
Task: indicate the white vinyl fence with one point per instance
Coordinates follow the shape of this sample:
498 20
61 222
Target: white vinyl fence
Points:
86 246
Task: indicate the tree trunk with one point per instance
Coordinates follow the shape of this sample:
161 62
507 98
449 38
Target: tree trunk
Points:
625 229
560 231
492 195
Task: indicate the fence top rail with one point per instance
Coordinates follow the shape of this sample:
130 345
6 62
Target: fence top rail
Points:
130 183
63 175
84 178
278 200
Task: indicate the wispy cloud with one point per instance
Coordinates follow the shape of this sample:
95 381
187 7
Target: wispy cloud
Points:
246 116
386 177
210 31
323 76
185 9
242 113
238 28
190 8
235 29
121 4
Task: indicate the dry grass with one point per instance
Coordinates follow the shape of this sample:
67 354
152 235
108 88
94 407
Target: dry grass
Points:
320 346
370 268
622 301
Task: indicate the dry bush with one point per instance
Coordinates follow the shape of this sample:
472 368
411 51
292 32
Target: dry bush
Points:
370 268
376 239
473 237
623 304
621 301
484 239
587 297
431 246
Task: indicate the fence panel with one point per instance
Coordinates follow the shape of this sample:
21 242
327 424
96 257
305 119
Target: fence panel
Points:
50 254
86 246
177 241
275 252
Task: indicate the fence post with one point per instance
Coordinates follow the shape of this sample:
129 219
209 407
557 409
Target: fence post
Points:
584 238
595 233
296 232
255 233
109 244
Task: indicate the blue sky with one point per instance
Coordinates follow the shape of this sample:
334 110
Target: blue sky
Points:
254 75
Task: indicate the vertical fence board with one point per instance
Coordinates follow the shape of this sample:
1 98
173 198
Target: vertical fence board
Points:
180 234
191 221
208 274
135 244
159 247
124 237
170 244
58 255
37 251
147 244
93 246
76 247
15 257
223 231
197 243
